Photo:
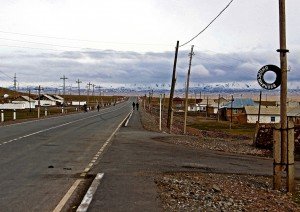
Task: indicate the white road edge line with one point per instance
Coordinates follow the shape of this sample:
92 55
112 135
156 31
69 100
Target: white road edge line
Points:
64 200
85 203
126 123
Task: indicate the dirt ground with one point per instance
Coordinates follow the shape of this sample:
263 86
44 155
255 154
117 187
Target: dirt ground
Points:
197 191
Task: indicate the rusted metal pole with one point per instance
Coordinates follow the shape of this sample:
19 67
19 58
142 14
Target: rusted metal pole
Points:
172 89
259 107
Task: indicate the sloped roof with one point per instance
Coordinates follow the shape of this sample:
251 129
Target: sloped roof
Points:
24 98
240 103
57 97
295 112
270 110
46 97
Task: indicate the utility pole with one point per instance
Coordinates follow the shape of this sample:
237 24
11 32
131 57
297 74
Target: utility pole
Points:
99 90
187 90
259 107
93 91
218 112
64 88
231 111
39 101
170 109
29 99
88 91
78 82
15 82
287 145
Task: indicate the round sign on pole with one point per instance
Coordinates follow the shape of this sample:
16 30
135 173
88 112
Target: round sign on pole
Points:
260 77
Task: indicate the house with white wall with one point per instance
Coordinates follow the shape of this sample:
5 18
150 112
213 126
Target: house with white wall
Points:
26 100
45 100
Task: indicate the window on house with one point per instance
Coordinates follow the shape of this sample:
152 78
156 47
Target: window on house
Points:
272 118
234 111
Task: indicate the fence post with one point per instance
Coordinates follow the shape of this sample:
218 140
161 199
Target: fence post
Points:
14 115
277 163
290 157
2 116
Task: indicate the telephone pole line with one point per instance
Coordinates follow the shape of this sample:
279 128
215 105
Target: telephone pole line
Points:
187 90
287 144
64 87
39 101
170 109
15 82
88 92
78 82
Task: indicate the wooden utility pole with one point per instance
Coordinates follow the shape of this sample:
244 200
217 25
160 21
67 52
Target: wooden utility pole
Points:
64 87
218 112
187 90
88 92
231 111
259 107
170 109
78 82
39 101
287 145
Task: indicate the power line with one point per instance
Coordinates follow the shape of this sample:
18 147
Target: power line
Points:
207 25
6 75
84 40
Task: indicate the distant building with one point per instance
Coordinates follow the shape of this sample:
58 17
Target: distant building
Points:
26 100
46 100
236 109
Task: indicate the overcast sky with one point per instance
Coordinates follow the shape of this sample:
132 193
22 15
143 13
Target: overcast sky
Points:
132 43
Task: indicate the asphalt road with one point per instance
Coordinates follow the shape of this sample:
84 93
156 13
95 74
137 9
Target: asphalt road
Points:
136 157
40 160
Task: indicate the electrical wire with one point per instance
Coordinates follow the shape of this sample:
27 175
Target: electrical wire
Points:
6 75
84 40
207 25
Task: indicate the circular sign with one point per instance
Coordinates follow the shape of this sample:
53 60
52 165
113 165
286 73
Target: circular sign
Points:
260 77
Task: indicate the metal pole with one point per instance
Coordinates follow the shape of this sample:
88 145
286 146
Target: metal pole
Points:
187 90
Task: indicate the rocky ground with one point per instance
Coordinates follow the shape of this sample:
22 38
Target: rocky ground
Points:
196 191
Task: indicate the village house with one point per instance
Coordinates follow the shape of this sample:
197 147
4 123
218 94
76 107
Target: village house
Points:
270 114
235 110
45 100
26 100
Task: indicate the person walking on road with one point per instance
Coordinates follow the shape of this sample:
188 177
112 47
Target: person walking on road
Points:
133 105
137 106
98 107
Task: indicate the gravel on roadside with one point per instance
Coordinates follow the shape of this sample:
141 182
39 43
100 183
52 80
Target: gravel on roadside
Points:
197 191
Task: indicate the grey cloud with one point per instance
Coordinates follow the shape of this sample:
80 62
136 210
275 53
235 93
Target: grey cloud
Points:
141 68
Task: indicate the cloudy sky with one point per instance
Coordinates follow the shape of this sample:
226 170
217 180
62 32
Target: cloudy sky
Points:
132 43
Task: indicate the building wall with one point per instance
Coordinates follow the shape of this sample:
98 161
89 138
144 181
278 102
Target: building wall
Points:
11 106
263 119
26 104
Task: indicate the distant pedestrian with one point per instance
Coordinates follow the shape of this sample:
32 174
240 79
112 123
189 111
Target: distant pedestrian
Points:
133 105
85 108
98 107
137 106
